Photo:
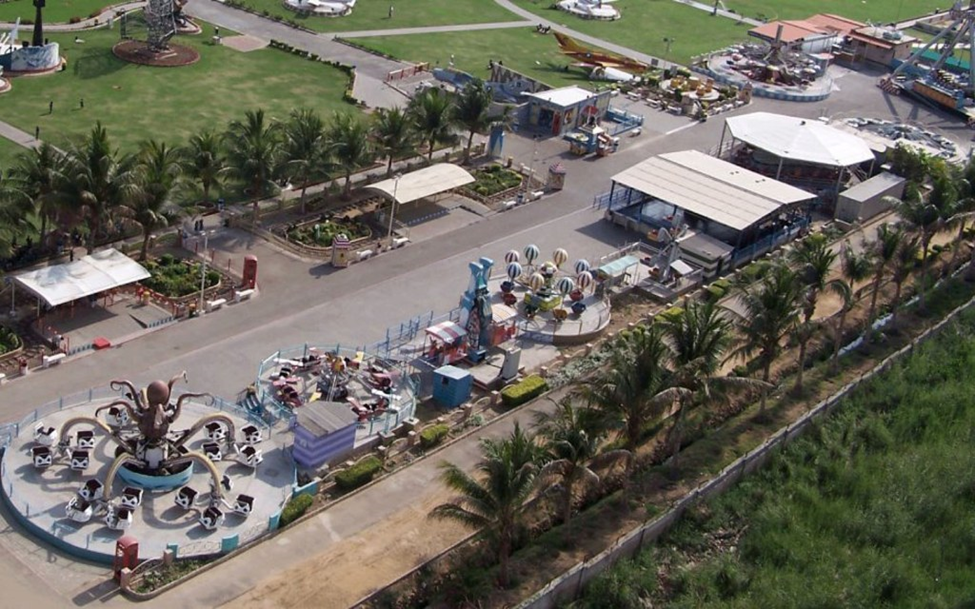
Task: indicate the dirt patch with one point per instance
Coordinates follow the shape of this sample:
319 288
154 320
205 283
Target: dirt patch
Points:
244 44
137 51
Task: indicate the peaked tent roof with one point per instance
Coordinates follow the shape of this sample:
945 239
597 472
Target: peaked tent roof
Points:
425 182
800 139
92 274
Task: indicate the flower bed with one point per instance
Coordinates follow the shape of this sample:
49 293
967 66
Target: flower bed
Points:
176 278
494 179
321 233
9 341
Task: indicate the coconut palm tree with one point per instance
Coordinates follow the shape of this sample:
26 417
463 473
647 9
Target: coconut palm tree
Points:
813 260
204 161
856 267
571 435
926 218
431 115
37 172
159 173
470 111
630 392
698 337
393 134
351 148
883 250
904 263
15 207
962 211
305 149
96 181
252 148
770 309
495 499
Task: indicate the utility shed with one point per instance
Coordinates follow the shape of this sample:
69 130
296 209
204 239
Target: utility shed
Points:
865 200
324 432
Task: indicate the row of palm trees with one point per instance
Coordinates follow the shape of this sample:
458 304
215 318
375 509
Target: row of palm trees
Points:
92 185
658 373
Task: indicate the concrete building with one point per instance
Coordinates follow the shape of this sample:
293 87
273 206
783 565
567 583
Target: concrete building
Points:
324 432
559 111
865 200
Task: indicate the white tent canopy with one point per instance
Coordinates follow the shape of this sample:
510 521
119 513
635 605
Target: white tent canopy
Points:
711 188
425 182
92 274
799 139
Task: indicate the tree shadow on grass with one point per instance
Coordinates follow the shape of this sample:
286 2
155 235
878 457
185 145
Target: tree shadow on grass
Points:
96 63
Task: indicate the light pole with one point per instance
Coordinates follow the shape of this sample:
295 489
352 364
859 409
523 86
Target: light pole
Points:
392 211
203 272
531 168
669 42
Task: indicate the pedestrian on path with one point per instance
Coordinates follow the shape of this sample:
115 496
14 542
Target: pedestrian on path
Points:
50 107
390 11
37 132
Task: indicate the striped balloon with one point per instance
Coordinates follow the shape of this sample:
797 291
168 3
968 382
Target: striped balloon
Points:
514 270
531 253
584 280
565 285
512 256
582 265
536 281
560 256
549 269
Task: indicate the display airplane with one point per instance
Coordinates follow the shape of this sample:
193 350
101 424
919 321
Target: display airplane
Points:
604 65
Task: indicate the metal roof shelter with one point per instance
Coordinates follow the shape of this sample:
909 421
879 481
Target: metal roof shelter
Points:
711 188
321 418
425 182
798 139
90 275
446 332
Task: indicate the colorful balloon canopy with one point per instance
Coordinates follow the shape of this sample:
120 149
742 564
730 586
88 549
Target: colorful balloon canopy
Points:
536 281
584 280
565 285
514 270
531 253
582 265
512 256
560 256
549 269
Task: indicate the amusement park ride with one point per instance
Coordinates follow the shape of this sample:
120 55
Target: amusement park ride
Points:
935 82
603 64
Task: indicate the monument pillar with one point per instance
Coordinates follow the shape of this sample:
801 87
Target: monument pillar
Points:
38 38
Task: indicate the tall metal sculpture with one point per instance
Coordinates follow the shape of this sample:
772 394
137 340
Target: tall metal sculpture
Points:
38 38
161 23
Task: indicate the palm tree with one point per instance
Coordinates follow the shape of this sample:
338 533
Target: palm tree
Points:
630 392
204 161
494 501
571 436
470 111
927 218
770 310
905 261
884 252
351 147
15 207
95 181
305 149
698 338
160 171
814 261
856 267
37 171
393 134
962 210
431 115
252 153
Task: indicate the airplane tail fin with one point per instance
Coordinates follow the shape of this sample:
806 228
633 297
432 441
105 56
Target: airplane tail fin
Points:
567 44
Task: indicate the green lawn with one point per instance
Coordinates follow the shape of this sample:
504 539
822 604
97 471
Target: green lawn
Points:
374 14
871 508
137 102
58 11
878 11
8 153
535 55
645 24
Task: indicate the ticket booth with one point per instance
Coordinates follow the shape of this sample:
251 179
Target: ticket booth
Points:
446 343
250 272
126 555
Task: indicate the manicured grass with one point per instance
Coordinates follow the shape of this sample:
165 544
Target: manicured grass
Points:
645 24
871 508
374 14
59 11
877 11
9 152
535 55
170 104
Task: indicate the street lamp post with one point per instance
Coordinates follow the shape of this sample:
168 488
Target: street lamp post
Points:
531 168
392 212
669 42
203 272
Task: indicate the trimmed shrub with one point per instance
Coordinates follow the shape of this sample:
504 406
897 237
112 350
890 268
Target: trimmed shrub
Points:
359 474
295 509
528 388
433 435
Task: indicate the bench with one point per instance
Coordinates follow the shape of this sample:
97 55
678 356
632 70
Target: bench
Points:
509 204
3 377
213 305
51 360
243 295
537 194
364 254
400 241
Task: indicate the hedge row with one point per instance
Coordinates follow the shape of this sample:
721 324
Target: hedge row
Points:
433 435
359 474
528 388
295 509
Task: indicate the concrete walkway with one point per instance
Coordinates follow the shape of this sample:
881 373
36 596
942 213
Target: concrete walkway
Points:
434 29
84 24
709 8
15 135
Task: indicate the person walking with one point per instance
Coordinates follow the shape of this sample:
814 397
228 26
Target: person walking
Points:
81 102
37 132
50 107
390 11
